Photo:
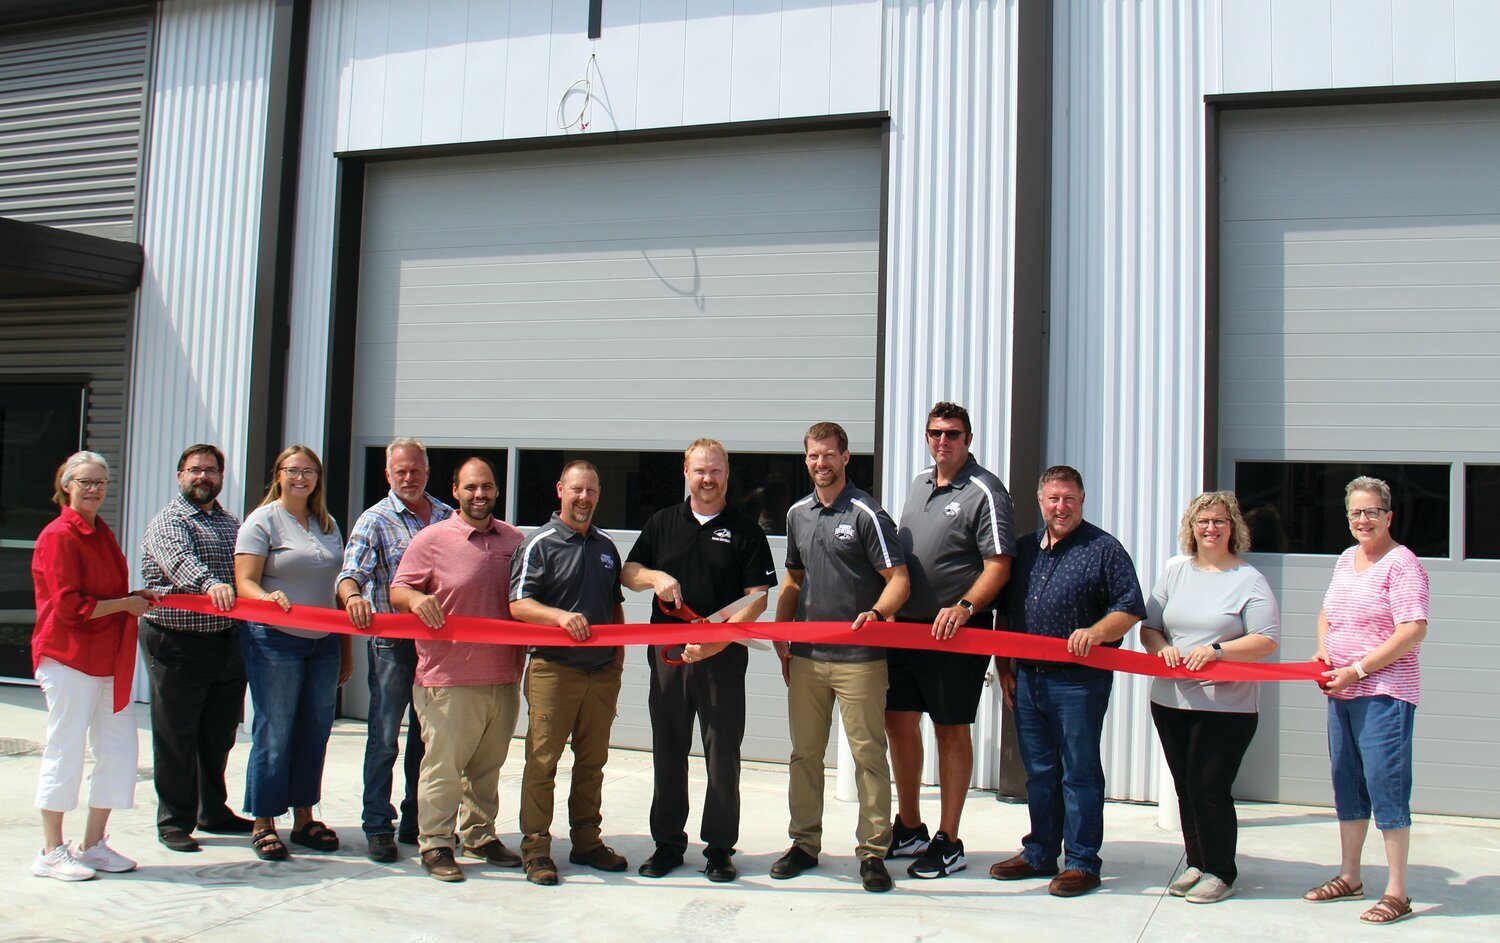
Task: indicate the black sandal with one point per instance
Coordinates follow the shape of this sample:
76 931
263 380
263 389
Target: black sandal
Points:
268 846
317 836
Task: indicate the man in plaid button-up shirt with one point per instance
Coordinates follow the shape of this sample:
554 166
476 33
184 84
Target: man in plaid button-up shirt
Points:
376 543
197 674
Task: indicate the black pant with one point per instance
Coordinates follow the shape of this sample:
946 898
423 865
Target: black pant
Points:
197 698
1204 750
714 692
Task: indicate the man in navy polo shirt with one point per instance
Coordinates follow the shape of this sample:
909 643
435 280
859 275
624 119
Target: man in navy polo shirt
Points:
706 554
1070 580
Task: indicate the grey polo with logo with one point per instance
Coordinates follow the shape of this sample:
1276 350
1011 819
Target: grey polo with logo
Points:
947 532
842 547
557 566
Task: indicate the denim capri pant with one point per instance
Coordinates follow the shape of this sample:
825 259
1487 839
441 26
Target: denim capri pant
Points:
1370 745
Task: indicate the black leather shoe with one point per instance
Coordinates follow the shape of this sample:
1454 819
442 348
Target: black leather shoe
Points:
720 868
234 825
381 848
874 876
663 861
178 839
407 837
793 863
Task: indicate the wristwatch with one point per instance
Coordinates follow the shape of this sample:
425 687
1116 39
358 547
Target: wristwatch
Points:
1218 652
967 605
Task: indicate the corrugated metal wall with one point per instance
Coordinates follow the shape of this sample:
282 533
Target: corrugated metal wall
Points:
949 85
199 219
1125 391
71 111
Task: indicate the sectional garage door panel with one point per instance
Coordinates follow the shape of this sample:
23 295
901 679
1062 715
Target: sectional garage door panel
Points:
620 295
1360 321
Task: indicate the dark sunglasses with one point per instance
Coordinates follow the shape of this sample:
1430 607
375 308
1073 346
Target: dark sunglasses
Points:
952 435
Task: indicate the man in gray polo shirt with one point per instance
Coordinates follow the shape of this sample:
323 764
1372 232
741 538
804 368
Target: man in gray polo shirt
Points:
957 535
567 574
843 562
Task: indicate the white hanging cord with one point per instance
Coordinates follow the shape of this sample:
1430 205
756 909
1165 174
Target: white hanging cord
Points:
585 88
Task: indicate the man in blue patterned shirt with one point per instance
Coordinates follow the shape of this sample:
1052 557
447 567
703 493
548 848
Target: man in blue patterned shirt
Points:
1071 580
376 543
197 674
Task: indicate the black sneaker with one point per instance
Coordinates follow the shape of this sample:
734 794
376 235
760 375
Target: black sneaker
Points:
942 858
907 842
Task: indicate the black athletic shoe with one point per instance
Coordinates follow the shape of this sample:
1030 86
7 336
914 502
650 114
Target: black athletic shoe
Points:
942 858
907 842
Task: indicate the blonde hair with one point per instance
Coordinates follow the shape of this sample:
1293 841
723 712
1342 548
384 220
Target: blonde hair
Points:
707 445
68 469
314 500
1239 535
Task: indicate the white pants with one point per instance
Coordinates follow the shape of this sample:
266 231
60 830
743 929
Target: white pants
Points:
80 715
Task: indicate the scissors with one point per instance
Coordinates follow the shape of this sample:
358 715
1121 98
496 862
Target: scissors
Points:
683 613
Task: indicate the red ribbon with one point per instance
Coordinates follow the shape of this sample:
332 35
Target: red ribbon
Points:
879 634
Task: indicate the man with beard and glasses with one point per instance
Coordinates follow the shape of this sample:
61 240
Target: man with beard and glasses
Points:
467 694
706 554
843 562
197 672
376 543
568 574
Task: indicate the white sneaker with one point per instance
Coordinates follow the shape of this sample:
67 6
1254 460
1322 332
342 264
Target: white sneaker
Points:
101 857
59 863
1184 882
1210 890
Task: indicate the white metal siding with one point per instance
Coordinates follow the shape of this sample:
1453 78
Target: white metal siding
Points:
1125 384
199 219
71 112
1360 320
950 87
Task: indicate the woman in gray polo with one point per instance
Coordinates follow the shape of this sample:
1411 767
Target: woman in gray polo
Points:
1208 606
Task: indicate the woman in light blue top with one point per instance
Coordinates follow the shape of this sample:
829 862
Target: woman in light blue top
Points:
1208 606
289 552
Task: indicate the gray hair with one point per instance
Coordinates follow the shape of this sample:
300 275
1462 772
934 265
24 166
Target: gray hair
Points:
69 468
405 442
1371 485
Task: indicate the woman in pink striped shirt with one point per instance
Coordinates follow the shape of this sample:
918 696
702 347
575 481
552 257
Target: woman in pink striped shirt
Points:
1369 633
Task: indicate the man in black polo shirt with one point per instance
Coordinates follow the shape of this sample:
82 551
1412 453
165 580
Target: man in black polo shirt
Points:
705 554
568 574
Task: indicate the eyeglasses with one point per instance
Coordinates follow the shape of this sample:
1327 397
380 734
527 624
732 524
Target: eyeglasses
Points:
300 472
952 435
1356 514
91 484
193 471
1204 523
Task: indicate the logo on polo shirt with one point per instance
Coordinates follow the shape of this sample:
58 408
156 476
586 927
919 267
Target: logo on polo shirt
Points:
722 535
952 508
607 560
844 532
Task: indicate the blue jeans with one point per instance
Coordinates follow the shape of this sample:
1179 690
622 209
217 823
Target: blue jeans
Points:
293 684
1369 745
1059 721
393 666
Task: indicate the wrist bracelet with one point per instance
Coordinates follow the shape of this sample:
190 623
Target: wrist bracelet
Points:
1359 669
878 616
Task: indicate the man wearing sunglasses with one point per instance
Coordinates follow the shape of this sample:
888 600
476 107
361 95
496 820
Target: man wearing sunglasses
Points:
704 554
956 531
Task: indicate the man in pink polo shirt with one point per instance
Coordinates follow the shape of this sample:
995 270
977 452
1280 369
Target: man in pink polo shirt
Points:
467 694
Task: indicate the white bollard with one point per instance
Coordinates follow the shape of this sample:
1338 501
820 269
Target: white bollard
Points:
1168 814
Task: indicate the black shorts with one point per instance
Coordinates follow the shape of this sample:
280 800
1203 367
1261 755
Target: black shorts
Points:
944 685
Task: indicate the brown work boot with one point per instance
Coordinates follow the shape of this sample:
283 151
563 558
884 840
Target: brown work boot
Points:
600 858
440 864
1073 883
495 853
542 871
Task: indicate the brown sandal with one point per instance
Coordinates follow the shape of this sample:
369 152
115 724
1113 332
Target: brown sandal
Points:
1336 889
1387 910
268 846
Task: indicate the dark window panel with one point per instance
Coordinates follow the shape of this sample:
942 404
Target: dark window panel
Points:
1482 512
1298 507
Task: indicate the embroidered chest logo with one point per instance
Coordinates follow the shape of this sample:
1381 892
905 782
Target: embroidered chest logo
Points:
844 532
607 560
952 508
721 536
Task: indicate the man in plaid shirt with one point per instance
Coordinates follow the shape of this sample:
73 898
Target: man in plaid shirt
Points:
376 543
197 674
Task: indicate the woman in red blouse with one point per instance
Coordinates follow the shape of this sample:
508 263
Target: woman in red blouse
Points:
83 653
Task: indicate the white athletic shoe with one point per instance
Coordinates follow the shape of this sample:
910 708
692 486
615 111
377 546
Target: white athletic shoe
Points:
101 857
59 863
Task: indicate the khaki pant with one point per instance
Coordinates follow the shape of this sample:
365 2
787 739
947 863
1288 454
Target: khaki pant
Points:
860 689
563 701
466 731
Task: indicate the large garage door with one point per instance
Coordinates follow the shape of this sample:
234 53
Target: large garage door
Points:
627 299
1360 334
